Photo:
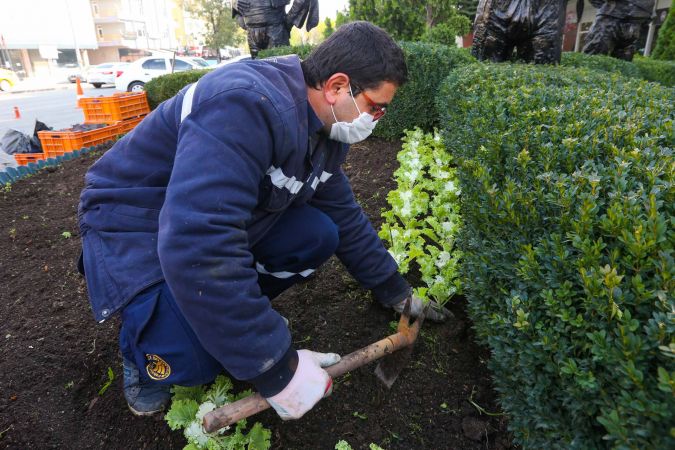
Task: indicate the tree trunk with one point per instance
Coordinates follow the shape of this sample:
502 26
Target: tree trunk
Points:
430 16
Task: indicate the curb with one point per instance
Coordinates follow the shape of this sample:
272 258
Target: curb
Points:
37 90
12 174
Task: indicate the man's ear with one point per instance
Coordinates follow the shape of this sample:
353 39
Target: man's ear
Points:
336 85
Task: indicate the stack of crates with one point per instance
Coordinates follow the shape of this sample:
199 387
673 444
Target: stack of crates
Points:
116 108
120 112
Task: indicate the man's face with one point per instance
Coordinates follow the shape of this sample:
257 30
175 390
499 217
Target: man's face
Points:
371 101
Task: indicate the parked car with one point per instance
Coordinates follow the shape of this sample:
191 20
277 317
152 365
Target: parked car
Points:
7 79
139 72
72 72
105 73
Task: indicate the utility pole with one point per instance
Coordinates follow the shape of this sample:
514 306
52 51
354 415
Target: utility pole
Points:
651 32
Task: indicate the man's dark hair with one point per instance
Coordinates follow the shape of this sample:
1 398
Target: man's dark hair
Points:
363 51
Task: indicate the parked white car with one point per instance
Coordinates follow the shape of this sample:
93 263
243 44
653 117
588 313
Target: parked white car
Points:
139 72
105 73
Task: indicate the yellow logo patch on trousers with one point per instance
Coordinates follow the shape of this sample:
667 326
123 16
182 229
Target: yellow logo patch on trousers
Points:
157 368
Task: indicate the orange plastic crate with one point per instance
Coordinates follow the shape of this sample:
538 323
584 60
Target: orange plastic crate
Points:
25 158
114 108
129 124
56 143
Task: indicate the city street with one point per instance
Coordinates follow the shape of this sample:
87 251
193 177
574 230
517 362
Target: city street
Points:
56 108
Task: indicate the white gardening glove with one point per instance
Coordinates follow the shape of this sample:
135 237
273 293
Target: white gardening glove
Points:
435 313
309 384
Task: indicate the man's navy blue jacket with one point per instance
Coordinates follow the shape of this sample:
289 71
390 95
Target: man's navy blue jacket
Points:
185 200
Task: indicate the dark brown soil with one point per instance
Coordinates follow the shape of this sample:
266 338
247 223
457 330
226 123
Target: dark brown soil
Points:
54 357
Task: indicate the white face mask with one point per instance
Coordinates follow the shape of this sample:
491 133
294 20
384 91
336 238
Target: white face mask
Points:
355 131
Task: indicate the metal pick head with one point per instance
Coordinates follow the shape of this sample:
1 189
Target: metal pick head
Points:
389 367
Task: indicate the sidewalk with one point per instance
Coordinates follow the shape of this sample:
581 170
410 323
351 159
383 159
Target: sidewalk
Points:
39 84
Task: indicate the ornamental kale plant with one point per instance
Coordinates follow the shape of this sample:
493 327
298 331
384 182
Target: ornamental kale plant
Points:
189 405
421 225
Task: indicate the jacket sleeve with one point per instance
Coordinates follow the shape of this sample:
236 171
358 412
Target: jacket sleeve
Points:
224 148
360 249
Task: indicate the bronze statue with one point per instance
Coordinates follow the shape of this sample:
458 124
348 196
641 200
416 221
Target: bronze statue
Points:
267 23
616 28
532 27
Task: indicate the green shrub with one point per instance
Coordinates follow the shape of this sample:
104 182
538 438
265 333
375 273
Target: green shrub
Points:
654 70
302 51
163 88
665 43
569 268
414 104
600 63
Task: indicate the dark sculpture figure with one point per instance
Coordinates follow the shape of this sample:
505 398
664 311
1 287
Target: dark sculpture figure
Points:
616 28
532 27
267 23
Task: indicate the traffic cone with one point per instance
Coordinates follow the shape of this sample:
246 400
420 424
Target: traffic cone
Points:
80 92
17 113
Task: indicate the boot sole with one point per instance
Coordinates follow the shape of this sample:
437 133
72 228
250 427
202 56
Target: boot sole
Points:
144 413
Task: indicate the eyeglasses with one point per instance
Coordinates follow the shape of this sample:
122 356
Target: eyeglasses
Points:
378 111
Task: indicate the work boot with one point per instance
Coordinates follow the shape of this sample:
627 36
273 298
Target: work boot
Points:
143 398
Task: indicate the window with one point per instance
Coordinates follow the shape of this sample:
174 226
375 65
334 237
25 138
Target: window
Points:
154 64
180 66
200 62
99 31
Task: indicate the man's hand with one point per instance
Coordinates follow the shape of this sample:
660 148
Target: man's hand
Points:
435 313
309 385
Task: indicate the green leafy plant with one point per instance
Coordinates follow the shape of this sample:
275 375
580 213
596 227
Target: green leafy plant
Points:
567 203
360 415
424 217
107 384
66 234
189 405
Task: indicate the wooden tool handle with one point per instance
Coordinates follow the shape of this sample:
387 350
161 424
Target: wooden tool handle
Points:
253 404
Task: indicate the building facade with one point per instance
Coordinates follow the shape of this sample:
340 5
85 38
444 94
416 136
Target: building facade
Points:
57 38
60 36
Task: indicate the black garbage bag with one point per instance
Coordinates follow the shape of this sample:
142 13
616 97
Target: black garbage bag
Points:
87 126
35 144
15 142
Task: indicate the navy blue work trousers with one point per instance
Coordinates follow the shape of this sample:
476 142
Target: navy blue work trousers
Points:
156 336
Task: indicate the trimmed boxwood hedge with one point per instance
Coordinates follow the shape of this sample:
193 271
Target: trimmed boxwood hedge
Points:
163 88
601 63
414 104
569 267
655 70
302 51
642 68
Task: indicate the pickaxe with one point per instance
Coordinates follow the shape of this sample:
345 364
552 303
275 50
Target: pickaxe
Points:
394 352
